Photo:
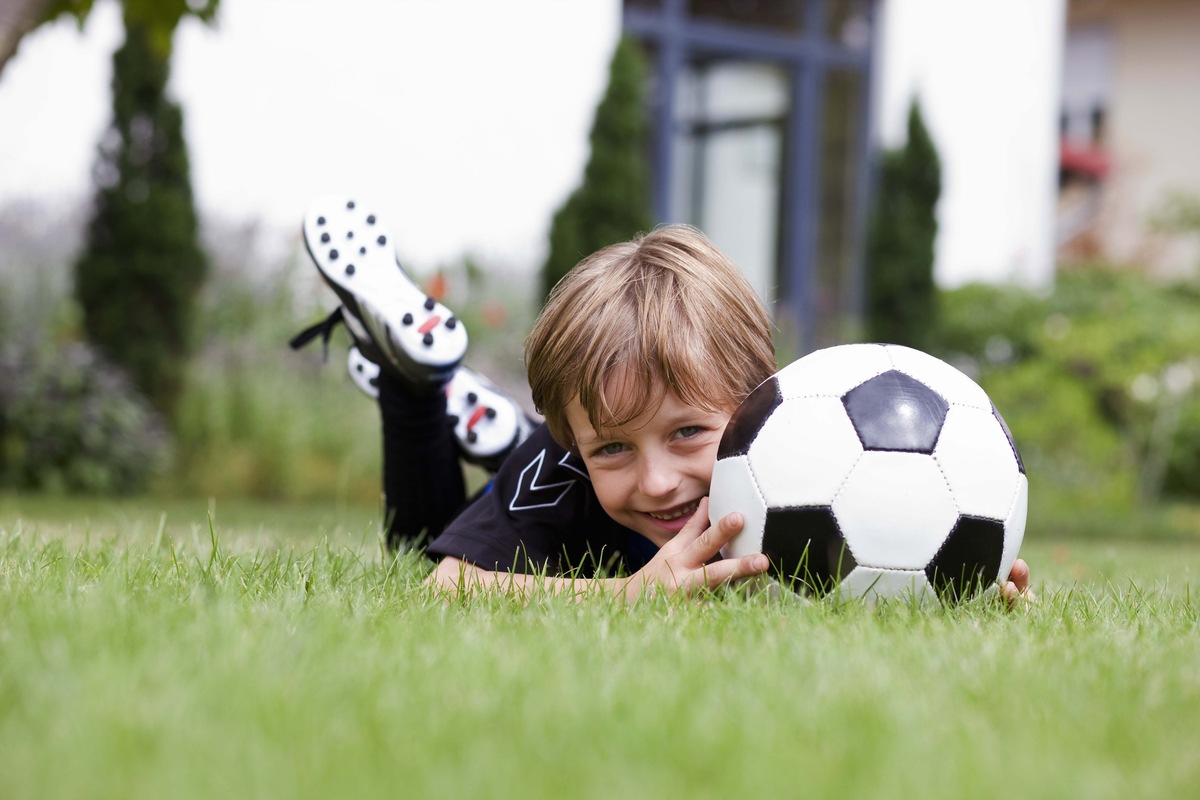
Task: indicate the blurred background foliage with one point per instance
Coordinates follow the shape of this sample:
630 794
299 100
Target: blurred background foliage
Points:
901 236
71 422
138 275
1097 379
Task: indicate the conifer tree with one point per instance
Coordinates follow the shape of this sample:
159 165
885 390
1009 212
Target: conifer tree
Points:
142 266
613 202
901 295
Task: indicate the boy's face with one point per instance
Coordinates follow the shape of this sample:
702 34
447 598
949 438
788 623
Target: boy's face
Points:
650 474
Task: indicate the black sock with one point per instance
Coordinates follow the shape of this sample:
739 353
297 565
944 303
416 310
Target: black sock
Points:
423 483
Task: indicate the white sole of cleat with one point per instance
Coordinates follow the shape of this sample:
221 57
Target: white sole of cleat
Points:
489 423
392 320
364 373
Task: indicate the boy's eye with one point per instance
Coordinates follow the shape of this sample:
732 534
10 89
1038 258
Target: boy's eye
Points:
688 431
610 449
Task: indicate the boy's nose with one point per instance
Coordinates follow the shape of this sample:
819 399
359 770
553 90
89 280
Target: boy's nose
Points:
657 477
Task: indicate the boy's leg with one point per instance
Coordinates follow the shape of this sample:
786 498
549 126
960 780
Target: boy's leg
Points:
416 346
422 480
487 424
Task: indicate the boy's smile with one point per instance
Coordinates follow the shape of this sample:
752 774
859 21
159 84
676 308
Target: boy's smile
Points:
650 473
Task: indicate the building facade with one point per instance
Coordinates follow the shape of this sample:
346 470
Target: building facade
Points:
1130 121
761 116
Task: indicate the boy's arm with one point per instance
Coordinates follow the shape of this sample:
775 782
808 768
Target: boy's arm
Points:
681 565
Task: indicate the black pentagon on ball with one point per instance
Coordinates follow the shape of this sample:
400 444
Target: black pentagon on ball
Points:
1011 441
896 412
968 560
806 548
749 418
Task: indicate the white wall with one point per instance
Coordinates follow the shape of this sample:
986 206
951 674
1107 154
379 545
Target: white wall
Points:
1154 131
987 74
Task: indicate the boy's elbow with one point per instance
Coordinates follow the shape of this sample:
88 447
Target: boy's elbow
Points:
455 574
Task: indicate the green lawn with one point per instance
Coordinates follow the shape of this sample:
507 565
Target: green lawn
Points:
294 660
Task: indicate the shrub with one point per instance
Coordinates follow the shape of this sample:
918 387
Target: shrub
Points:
69 421
1097 379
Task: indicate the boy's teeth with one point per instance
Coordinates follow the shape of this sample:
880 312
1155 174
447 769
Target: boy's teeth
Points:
688 509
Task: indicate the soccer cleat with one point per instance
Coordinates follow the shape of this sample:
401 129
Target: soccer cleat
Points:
364 373
488 424
393 322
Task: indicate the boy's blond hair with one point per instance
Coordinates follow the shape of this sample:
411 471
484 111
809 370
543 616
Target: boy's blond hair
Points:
664 311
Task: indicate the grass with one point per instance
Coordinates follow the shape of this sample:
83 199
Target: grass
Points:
278 653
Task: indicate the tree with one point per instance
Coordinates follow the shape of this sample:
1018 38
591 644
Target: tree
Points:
142 266
613 202
138 278
19 17
901 296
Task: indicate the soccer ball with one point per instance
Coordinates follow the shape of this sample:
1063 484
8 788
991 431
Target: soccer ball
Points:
873 470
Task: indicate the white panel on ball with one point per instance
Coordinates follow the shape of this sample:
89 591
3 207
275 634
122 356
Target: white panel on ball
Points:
1014 527
895 510
872 583
971 451
832 372
953 384
804 452
733 489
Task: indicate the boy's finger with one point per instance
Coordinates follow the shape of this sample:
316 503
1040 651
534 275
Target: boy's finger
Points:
699 521
1016 596
1019 574
733 569
1010 592
710 542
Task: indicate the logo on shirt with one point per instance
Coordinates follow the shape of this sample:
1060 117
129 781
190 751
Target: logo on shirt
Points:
538 490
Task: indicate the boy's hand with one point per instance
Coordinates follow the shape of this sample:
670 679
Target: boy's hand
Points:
1016 588
682 564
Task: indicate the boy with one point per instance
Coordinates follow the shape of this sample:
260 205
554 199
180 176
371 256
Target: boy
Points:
637 362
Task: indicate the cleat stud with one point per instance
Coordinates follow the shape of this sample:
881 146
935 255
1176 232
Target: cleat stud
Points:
427 340
451 323
349 269
491 413
324 238
333 254
408 319
349 234
350 205
320 220
371 219
472 437
362 251
430 303
382 240
472 398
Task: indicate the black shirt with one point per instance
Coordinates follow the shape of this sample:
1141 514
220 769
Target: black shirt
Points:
540 513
